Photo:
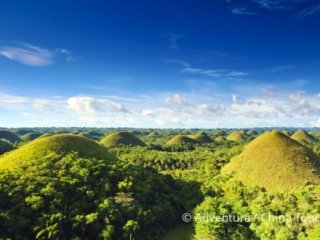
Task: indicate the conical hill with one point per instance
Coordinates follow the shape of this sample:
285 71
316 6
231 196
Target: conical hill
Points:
236 137
181 139
202 137
54 147
276 162
302 137
121 139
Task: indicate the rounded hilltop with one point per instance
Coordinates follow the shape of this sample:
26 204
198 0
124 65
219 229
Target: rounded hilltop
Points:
236 136
9 136
302 136
153 135
202 137
275 162
251 132
122 139
54 147
286 132
220 139
181 139
31 136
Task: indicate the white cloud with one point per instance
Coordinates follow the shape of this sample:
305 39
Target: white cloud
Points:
28 54
255 108
278 4
35 56
207 72
175 100
242 11
184 109
89 105
43 104
237 74
315 123
188 68
309 11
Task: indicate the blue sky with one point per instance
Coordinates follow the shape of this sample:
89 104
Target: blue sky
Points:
223 63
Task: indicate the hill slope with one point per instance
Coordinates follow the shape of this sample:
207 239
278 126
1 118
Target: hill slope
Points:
5 146
202 137
9 136
220 139
236 137
302 137
276 162
181 139
121 138
54 147
31 136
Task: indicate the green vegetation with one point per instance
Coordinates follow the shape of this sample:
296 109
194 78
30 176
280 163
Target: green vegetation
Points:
276 162
68 186
180 232
9 136
54 147
121 139
86 198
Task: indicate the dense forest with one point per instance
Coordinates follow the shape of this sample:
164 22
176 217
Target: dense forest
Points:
81 183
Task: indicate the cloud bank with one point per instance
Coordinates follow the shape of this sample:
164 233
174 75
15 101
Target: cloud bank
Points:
184 110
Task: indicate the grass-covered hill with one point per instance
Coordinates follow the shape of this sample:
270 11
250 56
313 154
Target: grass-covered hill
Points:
236 136
153 135
31 136
251 133
276 162
9 136
302 137
220 139
121 139
202 137
286 132
5 146
180 140
52 147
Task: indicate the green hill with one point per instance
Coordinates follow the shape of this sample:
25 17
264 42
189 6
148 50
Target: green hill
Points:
220 139
251 133
217 133
31 136
9 136
5 146
181 139
236 136
287 133
153 135
302 137
276 162
121 139
54 147
202 137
